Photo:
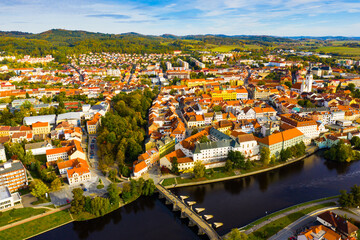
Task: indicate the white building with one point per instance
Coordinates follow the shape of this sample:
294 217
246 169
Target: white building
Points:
2 153
7 199
249 146
306 85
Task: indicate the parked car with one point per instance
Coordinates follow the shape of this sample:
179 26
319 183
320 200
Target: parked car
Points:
67 201
91 152
93 141
85 189
92 146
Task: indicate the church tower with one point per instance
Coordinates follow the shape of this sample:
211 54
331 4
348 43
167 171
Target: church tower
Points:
309 80
306 86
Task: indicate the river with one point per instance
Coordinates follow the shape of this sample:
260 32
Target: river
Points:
234 202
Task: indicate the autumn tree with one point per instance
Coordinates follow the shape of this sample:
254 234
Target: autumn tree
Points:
265 155
199 169
56 184
38 188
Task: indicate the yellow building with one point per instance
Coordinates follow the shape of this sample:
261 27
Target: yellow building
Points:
41 128
93 125
224 94
4 131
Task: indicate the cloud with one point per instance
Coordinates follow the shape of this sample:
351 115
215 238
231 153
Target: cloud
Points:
115 16
231 17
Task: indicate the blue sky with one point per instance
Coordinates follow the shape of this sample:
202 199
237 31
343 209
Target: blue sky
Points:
231 17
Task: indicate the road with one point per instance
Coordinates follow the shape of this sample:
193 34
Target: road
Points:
299 224
61 197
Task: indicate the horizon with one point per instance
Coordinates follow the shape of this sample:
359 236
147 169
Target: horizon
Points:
281 18
205 34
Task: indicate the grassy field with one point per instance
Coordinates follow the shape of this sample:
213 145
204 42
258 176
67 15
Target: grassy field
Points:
18 214
168 181
275 226
347 51
37 226
228 48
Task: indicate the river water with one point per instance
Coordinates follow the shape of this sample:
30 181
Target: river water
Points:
234 202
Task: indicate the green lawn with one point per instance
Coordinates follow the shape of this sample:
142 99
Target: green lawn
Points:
18 214
168 181
272 228
340 50
37 226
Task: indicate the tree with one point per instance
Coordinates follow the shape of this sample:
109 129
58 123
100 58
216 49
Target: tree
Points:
112 174
237 158
217 108
194 131
114 194
78 202
38 188
56 184
288 84
175 165
204 139
341 152
265 155
355 141
126 192
235 234
285 154
149 187
99 206
199 169
229 165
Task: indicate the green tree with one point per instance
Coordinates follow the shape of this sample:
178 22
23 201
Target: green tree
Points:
204 139
355 141
56 184
265 155
217 108
194 131
38 188
112 174
235 234
114 194
199 169
78 202
285 154
99 206
288 84
175 165
149 187
126 192
229 165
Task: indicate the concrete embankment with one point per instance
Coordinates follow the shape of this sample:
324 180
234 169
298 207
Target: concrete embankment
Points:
309 153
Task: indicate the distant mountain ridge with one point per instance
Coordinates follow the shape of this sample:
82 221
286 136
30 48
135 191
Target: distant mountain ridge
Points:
82 33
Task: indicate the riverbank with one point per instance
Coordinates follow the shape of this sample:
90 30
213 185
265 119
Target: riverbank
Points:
253 226
36 225
270 225
47 221
194 182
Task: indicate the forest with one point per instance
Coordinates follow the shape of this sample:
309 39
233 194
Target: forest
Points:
61 43
123 130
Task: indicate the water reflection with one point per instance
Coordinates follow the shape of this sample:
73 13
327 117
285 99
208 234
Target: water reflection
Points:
235 203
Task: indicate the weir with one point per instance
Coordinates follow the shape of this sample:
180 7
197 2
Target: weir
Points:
186 212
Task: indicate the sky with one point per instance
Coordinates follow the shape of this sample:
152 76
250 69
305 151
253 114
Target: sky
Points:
156 17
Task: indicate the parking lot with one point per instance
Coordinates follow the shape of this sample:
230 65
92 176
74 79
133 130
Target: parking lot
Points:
60 197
